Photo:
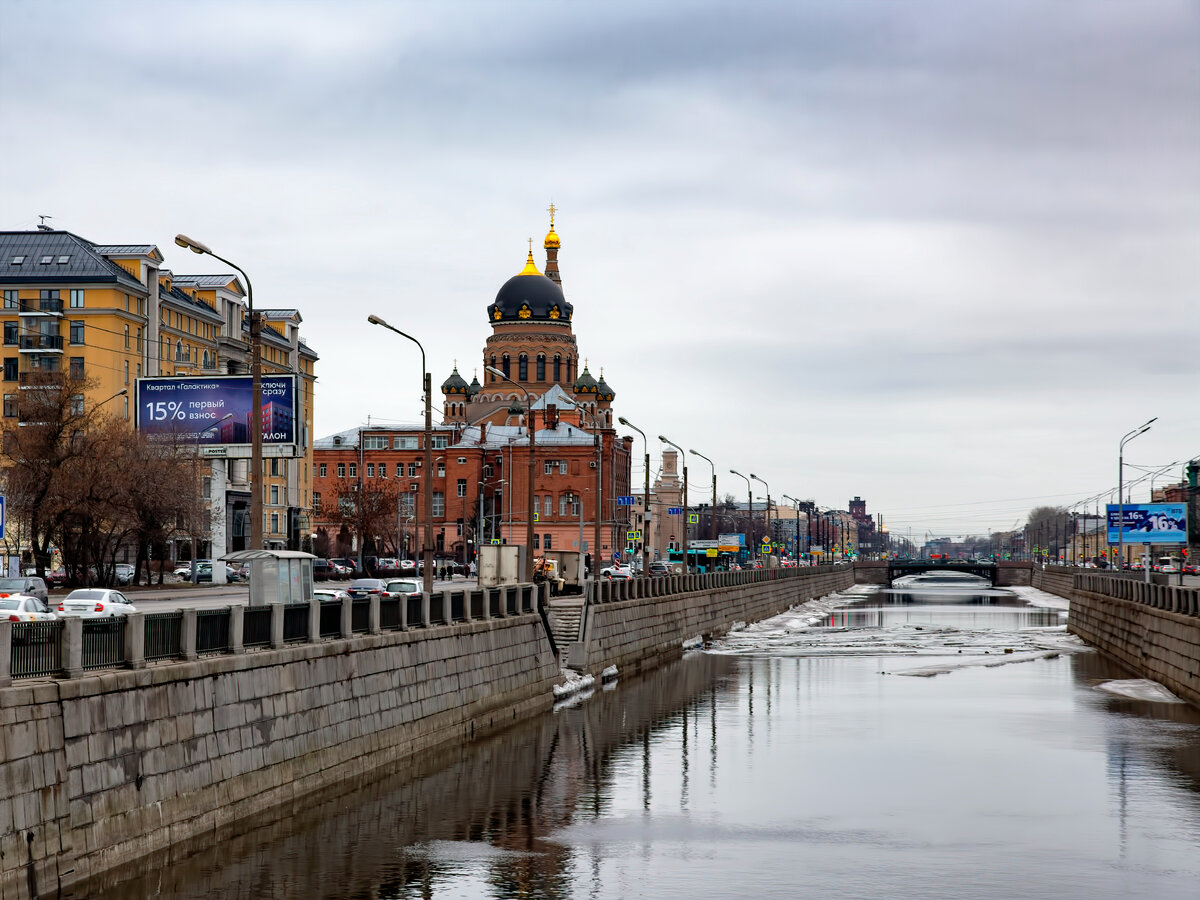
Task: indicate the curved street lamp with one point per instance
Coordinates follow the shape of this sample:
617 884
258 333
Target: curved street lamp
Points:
256 450
683 457
427 387
768 514
528 427
750 501
712 516
796 548
1140 430
646 496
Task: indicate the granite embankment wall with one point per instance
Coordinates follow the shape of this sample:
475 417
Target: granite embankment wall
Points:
106 767
1151 629
633 633
102 769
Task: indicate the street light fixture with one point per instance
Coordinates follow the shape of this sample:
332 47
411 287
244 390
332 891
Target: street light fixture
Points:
1140 430
767 535
256 431
796 503
683 457
712 524
427 387
750 502
530 428
646 505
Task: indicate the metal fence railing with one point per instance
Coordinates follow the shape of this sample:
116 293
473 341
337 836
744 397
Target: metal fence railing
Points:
164 635
360 616
389 613
36 649
212 631
331 620
256 626
103 642
295 623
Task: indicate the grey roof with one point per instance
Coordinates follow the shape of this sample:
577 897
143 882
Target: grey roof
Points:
127 249
556 396
209 281
85 264
280 313
349 437
182 297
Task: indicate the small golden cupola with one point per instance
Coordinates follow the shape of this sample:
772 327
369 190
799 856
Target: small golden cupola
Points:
552 245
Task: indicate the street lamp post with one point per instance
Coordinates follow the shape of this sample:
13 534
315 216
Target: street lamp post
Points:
256 449
1140 430
767 535
530 428
683 457
750 502
427 387
646 517
796 503
712 516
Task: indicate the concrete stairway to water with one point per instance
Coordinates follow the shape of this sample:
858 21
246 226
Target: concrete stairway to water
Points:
565 614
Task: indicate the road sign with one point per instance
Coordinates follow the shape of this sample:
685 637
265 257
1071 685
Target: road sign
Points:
625 501
2 513
693 518
616 557
495 540
674 510
535 517
633 535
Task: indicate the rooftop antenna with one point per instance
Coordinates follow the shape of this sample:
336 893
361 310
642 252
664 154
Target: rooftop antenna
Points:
42 226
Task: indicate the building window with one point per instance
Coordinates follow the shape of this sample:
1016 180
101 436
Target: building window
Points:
274 495
125 402
462 487
10 333
139 340
522 368
441 470
341 470
353 470
178 350
275 465
541 368
400 470
76 332
77 404
404 443
375 442
546 542
10 406
316 501
10 368
76 298
562 467
10 300
548 467
413 471
440 442
383 470
487 471
557 368
77 368
127 371
506 366
370 470
537 542
562 504
408 505
324 470
548 506
439 504
274 523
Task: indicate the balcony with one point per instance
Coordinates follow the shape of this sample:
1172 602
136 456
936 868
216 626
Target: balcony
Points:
39 378
40 307
41 342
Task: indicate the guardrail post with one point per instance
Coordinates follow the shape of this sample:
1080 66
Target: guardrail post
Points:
72 646
447 611
373 613
486 604
187 634
276 625
314 621
348 615
426 603
5 654
237 629
135 640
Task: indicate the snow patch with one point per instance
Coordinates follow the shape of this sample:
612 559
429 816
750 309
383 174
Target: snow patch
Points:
975 663
1040 599
609 674
574 682
694 643
1139 689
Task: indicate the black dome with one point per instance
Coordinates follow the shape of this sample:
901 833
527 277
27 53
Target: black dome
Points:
525 298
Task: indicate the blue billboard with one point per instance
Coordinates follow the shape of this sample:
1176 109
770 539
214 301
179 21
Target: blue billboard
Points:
217 410
1148 523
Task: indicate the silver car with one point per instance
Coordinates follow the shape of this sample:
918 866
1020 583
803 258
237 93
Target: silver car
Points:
31 587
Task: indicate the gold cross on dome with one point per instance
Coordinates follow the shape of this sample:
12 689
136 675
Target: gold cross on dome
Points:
551 210
530 245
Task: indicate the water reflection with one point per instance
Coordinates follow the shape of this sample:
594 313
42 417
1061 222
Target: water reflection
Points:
788 762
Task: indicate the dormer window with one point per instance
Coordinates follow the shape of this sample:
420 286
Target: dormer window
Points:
17 260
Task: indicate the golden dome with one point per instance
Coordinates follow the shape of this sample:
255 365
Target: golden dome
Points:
551 242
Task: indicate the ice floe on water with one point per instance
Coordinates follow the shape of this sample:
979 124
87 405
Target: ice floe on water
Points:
1139 689
1034 597
959 635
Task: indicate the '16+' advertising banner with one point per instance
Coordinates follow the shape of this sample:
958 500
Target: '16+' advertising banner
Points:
1148 523
216 410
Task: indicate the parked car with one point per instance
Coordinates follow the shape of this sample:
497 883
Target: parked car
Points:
123 572
365 587
408 567
24 608
403 588
323 570
616 572
330 595
204 570
658 567
348 567
30 586
95 603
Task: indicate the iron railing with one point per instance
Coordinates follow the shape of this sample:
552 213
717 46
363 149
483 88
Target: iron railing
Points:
36 649
103 642
212 631
256 626
164 635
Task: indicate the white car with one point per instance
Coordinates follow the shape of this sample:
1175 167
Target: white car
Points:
24 608
95 603
616 572
329 596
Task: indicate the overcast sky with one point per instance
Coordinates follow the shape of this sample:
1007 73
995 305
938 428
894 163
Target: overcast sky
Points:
939 254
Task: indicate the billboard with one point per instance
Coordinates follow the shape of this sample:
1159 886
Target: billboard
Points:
1148 523
215 412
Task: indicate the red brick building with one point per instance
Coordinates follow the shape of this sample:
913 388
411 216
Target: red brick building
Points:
481 450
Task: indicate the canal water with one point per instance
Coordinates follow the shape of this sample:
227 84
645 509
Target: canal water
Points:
939 740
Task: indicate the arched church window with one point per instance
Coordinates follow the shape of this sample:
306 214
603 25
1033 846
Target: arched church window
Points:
557 368
541 367
506 367
490 375
523 368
